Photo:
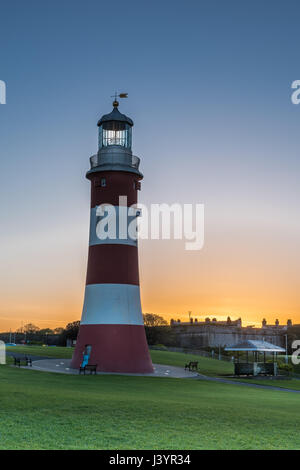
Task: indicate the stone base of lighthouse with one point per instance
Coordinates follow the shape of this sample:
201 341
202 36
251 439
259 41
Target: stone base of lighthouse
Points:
115 348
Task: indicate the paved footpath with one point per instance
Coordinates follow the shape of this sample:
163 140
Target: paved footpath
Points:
246 384
63 366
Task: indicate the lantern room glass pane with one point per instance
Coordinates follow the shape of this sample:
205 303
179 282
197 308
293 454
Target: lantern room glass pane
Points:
114 138
115 133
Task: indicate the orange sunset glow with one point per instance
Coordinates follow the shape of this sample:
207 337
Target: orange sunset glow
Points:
222 279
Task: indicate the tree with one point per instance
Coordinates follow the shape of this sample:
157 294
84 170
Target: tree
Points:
58 331
69 332
72 329
46 331
151 319
30 329
157 329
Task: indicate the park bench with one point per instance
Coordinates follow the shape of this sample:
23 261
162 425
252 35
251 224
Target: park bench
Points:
91 367
27 361
191 366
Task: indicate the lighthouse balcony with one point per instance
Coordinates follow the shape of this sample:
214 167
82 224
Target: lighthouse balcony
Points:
120 159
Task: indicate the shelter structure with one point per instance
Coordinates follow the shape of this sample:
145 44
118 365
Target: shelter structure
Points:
258 350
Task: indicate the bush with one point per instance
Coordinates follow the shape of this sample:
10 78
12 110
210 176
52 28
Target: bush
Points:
286 367
159 347
281 365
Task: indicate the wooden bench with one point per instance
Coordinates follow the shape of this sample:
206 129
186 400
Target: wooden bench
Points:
26 360
91 367
191 366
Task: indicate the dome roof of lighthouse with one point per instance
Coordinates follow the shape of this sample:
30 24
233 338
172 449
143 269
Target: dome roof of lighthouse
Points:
115 115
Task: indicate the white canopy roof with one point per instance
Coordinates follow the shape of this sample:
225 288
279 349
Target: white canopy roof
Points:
253 345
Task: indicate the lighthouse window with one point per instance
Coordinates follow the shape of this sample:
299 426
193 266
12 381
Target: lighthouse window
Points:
100 183
114 138
115 133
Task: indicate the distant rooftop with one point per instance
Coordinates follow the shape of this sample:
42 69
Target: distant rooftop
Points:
253 345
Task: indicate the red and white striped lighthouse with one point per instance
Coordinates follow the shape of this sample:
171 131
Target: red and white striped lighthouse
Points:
112 330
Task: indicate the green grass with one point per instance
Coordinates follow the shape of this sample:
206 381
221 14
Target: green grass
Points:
47 351
206 365
51 411
293 384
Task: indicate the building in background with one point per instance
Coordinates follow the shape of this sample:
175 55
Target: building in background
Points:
213 333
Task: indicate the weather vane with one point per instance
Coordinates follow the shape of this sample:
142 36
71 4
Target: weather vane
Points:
120 95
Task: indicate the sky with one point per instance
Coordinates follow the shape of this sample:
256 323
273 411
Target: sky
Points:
209 90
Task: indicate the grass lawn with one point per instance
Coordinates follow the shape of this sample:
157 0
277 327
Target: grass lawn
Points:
293 384
48 351
206 365
51 411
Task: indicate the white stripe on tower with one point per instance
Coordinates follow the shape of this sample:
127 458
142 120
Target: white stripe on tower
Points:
109 304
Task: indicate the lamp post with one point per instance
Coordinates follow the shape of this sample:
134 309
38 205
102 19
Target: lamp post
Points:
286 349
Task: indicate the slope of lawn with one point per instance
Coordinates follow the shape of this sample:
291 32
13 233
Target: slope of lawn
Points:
47 351
293 384
206 366
51 411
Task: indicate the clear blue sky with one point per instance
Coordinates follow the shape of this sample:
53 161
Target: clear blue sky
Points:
209 91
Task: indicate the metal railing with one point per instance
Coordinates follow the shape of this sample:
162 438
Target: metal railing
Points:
121 159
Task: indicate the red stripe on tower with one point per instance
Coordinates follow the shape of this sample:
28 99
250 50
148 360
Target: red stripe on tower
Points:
112 333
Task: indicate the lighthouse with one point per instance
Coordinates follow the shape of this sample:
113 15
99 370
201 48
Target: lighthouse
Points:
112 333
